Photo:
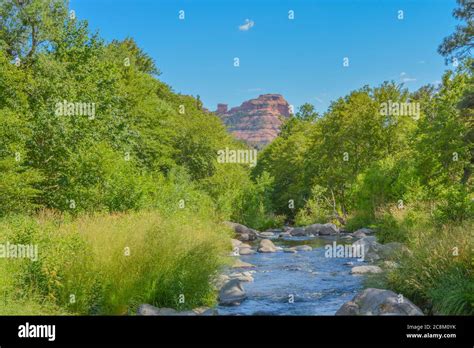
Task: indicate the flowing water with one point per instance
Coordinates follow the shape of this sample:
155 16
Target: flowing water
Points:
305 283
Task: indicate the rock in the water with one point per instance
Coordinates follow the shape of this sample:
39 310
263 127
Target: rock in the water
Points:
303 248
243 233
149 310
290 250
322 229
298 231
359 234
378 302
365 269
284 234
205 311
241 264
232 293
235 243
369 246
267 235
246 251
266 246
220 280
242 276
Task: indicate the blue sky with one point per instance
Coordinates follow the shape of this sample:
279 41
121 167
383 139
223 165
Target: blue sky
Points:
302 59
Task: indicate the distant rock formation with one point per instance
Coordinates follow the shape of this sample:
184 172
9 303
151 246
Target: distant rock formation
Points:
256 121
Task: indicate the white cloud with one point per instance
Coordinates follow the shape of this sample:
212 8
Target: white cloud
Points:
247 25
405 78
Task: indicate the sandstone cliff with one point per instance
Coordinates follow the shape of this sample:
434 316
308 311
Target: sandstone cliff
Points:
256 121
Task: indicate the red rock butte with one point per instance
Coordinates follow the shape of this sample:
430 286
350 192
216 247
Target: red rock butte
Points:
256 121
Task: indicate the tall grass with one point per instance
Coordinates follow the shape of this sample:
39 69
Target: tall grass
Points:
109 264
438 275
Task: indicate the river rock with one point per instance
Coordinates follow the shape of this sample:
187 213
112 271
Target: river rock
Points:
232 293
370 248
267 235
267 246
303 248
298 232
322 229
243 233
284 235
373 301
365 269
235 243
149 310
220 280
241 264
242 276
205 311
246 251
290 250
359 234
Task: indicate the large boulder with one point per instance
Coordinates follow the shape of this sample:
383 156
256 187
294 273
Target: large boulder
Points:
322 229
232 293
374 251
243 233
298 232
369 246
267 246
378 302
